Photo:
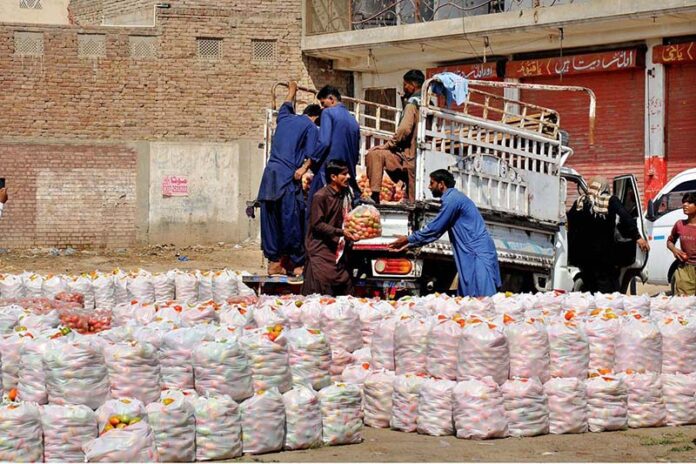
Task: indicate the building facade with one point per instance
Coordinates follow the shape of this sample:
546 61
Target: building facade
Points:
638 56
131 121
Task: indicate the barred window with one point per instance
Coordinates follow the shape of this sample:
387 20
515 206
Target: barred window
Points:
29 43
264 50
209 49
91 45
143 46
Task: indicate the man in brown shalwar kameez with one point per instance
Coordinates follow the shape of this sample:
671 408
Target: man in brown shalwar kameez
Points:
398 156
325 269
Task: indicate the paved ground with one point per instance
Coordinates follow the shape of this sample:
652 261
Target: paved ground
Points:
639 445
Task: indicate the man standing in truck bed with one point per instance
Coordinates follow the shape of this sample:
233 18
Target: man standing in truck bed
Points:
472 245
398 156
339 139
280 193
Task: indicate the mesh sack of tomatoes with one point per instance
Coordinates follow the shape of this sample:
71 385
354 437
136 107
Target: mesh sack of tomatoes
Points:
363 222
174 425
66 429
20 434
86 321
134 370
218 428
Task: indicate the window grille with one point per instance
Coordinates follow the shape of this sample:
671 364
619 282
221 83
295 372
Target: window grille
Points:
29 43
30 4
264 51
209 49
91 45
142 46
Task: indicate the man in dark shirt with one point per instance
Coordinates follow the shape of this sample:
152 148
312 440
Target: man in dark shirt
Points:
591 231
325 269
280 192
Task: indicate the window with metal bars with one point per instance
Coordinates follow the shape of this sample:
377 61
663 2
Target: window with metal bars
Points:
29 43
91 45
209 49
264 50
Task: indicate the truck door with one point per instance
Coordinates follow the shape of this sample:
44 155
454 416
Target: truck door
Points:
631 258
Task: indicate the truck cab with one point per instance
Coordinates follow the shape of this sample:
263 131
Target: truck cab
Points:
661 215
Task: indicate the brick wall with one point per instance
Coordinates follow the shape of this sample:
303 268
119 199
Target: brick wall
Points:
68 194
175 96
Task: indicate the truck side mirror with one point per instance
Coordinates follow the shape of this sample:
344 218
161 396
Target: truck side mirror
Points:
651 211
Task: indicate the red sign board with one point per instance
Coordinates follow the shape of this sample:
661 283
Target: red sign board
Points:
173 186
478 71
575 64
677 53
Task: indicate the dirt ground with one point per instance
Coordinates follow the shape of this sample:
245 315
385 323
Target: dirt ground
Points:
637 445
663 444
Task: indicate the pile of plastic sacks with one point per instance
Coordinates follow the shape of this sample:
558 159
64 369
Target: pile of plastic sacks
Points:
181 381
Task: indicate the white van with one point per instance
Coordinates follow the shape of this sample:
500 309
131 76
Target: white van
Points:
661 215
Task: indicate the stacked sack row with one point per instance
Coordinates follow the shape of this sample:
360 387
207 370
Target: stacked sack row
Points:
106 290
508 365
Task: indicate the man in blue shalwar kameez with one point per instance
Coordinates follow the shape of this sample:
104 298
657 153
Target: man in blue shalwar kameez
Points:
474 250
339 139
280 193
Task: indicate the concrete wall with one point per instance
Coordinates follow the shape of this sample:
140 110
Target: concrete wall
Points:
34 11
222 177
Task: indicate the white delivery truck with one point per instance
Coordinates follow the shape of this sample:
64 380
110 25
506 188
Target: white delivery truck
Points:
508 157
661 215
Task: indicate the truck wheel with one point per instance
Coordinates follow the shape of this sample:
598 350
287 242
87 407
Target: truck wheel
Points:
578 283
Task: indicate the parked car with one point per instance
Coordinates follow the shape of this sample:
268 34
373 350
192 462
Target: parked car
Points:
661 214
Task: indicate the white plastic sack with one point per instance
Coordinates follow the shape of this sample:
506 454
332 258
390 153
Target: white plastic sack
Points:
11 286
309 357
435 408
121 293
526 407
370 314
205 285
356 374
567 402
613 301
237 315
263 422
224 285
31 384
76 373
483 352
174 425
410 345
134 370
134 443
341 325
53 285
405 402
638 303
302 418
9 318
311 313
222 368
479 410
20 434
443 342
382 347
176 357
83 285
203 313
186 285
679 394
269 316
377 391
607 406
164 286
639 346
340 414
128 411
33 285
645 405
529 351
10 347
678 345
362 355
40 322
218 428
568 348
269 359
66 429
104 291
580 303
601 335
340 360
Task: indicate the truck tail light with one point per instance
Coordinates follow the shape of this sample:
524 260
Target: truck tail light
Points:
397 266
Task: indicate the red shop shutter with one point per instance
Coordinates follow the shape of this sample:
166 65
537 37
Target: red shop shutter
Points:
619 130
681 118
